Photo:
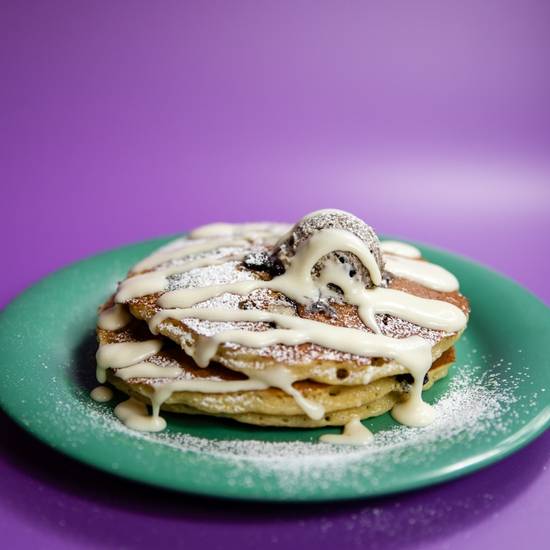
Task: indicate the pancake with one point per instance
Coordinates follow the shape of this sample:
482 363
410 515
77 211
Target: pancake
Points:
302 326
271 406
306 360
340 417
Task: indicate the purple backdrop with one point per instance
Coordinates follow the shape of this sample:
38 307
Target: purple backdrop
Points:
126 120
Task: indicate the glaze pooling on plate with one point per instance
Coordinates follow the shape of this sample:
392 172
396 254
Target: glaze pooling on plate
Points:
329 259
101 394
354 434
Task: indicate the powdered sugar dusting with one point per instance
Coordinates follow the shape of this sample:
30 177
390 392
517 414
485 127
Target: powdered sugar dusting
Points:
479 403
210 275
467 409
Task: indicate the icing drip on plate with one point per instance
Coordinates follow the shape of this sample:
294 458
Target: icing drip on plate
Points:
328 255
101 394
133 414
354 434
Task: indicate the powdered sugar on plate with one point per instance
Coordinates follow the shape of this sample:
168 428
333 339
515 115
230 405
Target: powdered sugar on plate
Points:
479 402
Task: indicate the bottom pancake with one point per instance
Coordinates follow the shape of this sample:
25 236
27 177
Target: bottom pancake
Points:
272 407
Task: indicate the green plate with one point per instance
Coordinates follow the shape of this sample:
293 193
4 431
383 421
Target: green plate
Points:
495 400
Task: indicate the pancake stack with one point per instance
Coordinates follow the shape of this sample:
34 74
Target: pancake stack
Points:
309 325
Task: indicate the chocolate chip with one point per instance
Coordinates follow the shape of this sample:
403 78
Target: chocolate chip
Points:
322 307
386 278
262 261
408 379
276 267
335 288
256 260
352 272
405 378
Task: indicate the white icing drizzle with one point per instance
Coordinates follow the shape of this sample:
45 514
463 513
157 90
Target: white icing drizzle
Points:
275 377
414 411
203 385
322 243
413 352
282 378
152 282
141 285
123 354
354 434
259 229
146 369
101 394
434 314
133 414
211 237
298 284
400 249
425 273
113 318
207 385
293 330
186 247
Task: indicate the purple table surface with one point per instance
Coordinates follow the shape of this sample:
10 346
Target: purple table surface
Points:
126 120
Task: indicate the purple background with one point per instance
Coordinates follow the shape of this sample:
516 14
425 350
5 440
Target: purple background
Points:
126 120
